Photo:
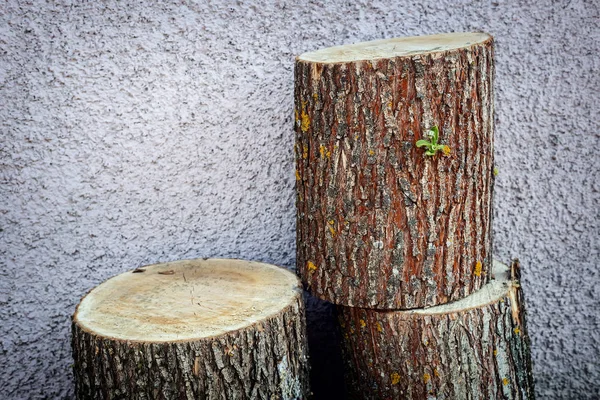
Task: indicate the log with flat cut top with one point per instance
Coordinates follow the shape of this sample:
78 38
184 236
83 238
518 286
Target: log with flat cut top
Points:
476 348
195 329
381 222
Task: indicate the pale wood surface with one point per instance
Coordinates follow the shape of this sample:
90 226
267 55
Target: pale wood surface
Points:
397 47
185 300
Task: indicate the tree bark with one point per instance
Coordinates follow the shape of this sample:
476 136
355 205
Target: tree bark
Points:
162 334
476 348
379 223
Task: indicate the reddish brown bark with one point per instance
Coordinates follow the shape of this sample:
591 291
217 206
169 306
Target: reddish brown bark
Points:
479 351
379 223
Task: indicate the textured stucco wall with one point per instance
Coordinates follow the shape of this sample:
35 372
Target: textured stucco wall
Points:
140 131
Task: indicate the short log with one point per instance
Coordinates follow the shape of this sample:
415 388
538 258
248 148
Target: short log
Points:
381 224
475 348
194 329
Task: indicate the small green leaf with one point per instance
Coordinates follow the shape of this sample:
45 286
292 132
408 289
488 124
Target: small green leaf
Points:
430 152
422 142
436 134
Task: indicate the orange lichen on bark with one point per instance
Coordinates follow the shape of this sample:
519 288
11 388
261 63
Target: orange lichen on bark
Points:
304 121
478 267
324 152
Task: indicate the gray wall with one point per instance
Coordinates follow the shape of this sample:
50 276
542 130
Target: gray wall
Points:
135 132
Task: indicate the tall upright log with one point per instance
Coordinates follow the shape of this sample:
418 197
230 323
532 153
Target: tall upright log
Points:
475 348
196 329
381 224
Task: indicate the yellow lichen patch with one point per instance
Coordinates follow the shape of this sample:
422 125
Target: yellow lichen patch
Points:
505 381
395 377
446 150
311 267
496 171
304 121
495 352
331 222
390 105
297 175
362 323
296 117
477 271
305 152
371 152
426 377
517 330
331 230
435 372
379 327
315 96
322 151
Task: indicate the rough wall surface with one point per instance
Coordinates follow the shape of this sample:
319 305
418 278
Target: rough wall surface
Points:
137 132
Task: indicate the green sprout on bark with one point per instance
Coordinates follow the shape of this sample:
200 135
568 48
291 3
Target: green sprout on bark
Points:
431 145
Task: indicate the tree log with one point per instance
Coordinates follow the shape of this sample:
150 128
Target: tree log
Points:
475 348
195 329
380 224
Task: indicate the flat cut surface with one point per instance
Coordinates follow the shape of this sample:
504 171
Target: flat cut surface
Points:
185 300
389 48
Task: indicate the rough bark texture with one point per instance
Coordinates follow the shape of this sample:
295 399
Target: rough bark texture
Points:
380 224
475 353
193 329
267 360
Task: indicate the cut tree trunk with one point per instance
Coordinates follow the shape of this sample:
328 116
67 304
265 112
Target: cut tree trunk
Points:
380 224
195 329
475 348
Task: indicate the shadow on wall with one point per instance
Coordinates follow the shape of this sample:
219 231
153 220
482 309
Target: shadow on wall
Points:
326 374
